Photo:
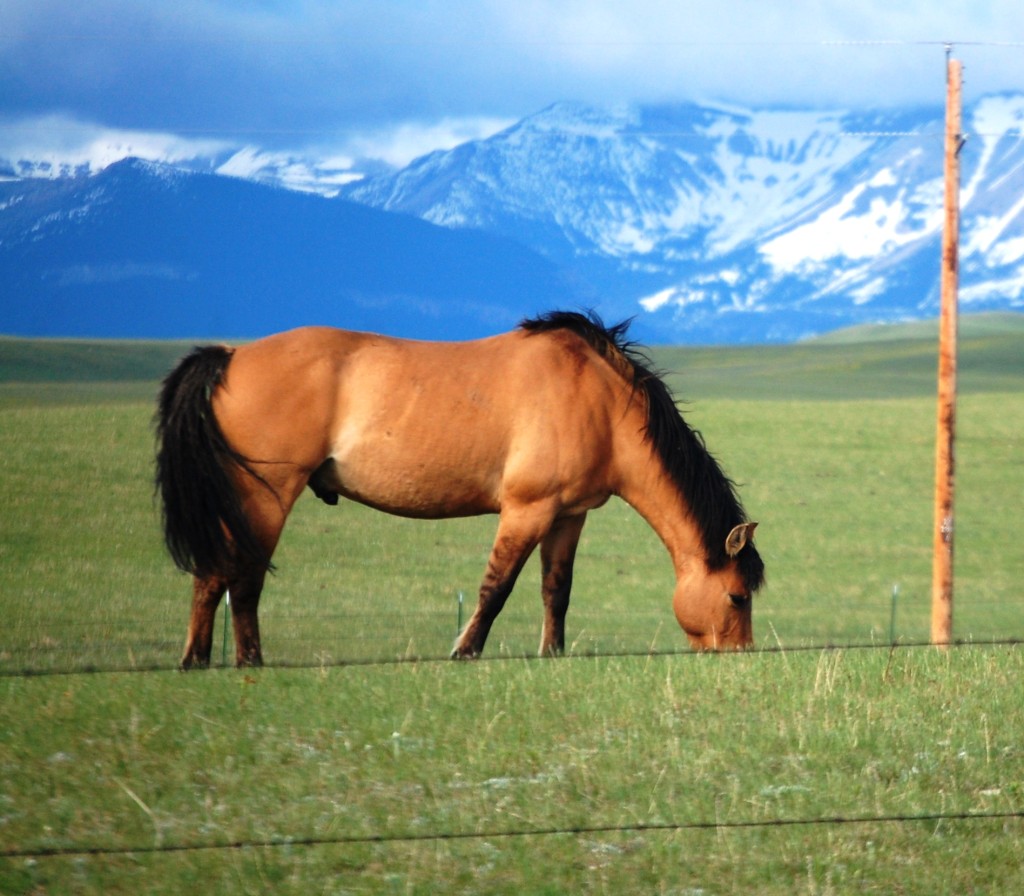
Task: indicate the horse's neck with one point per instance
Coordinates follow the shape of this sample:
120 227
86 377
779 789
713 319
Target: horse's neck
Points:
648 489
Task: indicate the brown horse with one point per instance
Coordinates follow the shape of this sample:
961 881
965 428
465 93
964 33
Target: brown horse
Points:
539 425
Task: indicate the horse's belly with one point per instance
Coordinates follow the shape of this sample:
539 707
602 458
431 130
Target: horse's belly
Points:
436 491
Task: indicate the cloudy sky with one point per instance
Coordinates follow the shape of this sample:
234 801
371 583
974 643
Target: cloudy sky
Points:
391 79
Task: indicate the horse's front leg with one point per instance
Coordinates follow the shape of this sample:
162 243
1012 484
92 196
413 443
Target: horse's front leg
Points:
206 594
557 553
518 534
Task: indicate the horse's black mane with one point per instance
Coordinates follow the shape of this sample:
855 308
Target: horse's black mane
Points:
709 493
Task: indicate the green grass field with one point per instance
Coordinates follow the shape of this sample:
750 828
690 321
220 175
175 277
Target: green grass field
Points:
674 769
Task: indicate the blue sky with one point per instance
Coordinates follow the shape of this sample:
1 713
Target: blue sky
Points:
394 78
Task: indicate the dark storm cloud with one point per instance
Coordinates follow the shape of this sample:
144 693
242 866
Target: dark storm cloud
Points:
297 71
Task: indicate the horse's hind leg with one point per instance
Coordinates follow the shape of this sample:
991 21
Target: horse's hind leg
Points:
206 594
266 514
267 510
245 598
557 553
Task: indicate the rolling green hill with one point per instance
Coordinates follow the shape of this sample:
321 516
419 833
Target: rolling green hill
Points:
893 361
85 360
971 326
896 361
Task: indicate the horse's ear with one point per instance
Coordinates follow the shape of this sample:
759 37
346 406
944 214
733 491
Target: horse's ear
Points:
739 536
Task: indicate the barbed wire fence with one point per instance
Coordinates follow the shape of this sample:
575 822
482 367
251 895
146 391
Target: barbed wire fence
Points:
512 833
324 661
399 839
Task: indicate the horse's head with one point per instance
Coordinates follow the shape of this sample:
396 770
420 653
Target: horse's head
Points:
713 605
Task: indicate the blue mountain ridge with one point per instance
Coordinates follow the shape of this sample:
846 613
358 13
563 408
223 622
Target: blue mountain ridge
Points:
144 250
706 223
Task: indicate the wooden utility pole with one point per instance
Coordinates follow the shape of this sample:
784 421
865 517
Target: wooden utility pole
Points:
942 565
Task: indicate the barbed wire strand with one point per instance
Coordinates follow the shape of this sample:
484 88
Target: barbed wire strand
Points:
512 833
324 661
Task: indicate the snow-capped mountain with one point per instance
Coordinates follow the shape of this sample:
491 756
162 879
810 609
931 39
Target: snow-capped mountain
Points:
719 223
708 223
294 171
148 250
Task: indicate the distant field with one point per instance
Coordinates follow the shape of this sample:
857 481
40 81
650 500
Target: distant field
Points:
126 782
862 362
971 326
85 361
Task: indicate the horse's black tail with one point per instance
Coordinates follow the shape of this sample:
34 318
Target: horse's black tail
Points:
205 528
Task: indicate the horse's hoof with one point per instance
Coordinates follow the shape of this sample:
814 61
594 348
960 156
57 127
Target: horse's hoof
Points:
459 654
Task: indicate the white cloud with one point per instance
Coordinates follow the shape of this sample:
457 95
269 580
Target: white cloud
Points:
399 144
58 145
319 66
842 53
309 172
659 299
393 81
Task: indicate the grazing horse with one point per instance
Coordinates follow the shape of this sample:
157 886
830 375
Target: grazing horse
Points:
539 425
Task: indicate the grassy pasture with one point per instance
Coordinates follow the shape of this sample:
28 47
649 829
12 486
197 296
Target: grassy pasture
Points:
832 446
485 754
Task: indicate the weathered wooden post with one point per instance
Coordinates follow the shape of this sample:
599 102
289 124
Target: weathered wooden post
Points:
942 564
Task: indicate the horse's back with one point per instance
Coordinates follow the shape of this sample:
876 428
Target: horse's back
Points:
422 428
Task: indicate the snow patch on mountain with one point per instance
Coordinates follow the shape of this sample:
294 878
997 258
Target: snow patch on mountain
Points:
325 176
699 215
867 221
